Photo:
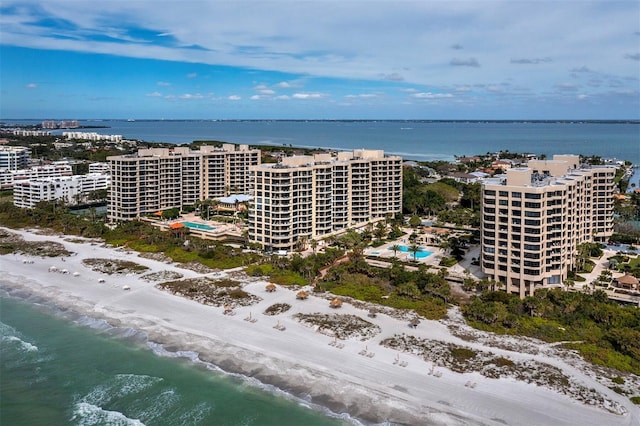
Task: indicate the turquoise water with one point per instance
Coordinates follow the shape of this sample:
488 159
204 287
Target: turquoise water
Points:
62 369
422 253
201 226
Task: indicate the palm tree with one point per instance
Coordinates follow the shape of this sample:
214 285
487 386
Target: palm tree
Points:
314 245
380 231
414 248
395 249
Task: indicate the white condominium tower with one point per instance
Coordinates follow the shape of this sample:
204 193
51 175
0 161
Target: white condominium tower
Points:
14 157
534 218
162 178
310 197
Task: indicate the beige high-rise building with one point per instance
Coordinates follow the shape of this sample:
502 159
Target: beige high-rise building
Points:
534 218
163 178
311 197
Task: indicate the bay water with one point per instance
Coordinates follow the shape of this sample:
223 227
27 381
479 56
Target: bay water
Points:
59 368
420 140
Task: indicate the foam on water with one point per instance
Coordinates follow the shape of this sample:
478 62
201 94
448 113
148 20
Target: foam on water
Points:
10 335
119 386
141 397
304 400
86 414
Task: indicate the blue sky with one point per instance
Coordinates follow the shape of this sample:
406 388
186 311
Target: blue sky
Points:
320 59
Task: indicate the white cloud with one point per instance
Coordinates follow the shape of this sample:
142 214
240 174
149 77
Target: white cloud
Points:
234 98
163 83
429 95
31 86
154 95
288 85
463 89
421 44
263 90
309 95
190 96
363 96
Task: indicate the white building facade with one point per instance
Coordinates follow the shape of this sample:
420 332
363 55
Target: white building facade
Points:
71 190
14 157
8 177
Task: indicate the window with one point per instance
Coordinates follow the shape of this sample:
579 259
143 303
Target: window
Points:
533 196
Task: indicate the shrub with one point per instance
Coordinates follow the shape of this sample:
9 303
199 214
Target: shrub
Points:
448 261
462 354
277 308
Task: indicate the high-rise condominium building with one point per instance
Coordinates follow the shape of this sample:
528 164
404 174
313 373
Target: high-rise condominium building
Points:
162 178
14 157
534 218
310 197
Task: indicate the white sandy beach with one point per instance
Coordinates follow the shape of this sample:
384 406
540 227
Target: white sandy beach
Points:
301 361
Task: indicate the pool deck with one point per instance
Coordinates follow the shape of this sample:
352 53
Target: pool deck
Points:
221 231
384 252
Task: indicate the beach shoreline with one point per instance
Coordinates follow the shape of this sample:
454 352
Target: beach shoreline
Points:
300 360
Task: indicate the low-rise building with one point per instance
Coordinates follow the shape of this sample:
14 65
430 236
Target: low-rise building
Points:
8 177
91 136
99 168
71 190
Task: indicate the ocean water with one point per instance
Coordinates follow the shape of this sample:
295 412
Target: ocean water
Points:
58 368
415 140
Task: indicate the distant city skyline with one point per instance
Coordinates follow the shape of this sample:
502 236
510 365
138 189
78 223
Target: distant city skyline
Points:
319 60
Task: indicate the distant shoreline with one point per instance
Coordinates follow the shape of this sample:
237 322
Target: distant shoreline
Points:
367 120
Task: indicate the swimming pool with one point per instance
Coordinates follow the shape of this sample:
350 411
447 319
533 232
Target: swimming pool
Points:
200 226
420 254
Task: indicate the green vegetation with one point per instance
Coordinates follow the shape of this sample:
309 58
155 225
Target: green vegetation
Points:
603 332
426 293
453 202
